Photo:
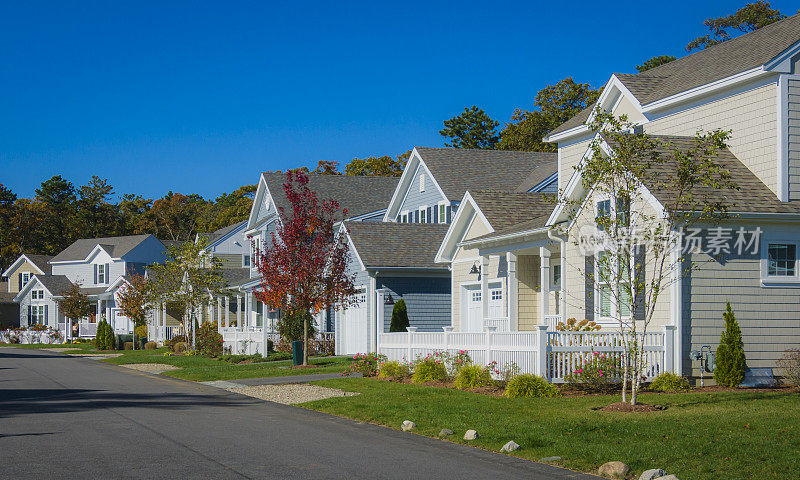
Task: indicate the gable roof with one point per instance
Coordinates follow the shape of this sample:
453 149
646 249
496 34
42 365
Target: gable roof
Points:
714 63
397 245
457 170
115 246
55 284
222 232
750 196
513 212
358 194
39 261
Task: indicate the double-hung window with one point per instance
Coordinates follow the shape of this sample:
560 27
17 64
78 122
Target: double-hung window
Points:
37 314
422 212
442 213
37 294
779 262
603 217
245 261
101 273
607 276
25 277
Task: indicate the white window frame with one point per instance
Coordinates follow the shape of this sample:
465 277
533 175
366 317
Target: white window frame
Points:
404 217
778 280
37 315
442 206
246 261
37 294
598 284
102 275
26 277
422 214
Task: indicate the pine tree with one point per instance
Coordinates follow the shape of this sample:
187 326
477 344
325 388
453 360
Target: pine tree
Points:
730 359
399 317
110 338
100 336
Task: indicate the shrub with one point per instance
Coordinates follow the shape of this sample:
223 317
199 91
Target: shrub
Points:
669 382
141 331
430 368
366 364
128 346
176 339
529 385
279 356
394 369
150 346
179 347
790 363
572 325
458 361
399 317
730 359
504 373
109 338
270 346
100 336
255 358
209 340
473 376
599 372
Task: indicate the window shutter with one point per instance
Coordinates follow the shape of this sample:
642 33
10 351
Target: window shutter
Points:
46 317
19 277
436 214
428 216
28 320
416 216
639 263
449 213
589 287
95 273
106 276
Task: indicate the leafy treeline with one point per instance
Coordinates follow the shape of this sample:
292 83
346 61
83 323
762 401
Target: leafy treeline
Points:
60 213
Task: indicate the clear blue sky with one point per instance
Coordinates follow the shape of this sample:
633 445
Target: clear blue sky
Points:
200 97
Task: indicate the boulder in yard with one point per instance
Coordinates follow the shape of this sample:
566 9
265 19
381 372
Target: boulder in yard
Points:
510 446
470 435
652 474
668 477
614 469
408 425
445 432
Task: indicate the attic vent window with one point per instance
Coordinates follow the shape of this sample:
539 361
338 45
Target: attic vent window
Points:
422 182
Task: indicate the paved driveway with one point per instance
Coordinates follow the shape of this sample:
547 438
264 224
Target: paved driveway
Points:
79 418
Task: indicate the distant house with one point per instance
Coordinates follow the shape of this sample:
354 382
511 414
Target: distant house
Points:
230 245
18 274
96 264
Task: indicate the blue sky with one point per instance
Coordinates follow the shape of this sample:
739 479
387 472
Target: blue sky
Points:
200 97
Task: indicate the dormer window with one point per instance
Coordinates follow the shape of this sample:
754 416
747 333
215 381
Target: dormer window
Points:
24 278
421 182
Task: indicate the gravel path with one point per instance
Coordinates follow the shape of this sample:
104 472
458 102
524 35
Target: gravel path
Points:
150 367
292 393
97 355
62 350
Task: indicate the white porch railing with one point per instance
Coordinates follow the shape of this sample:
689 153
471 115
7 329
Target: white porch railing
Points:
87 330
500 324
160 333
550 354
552 321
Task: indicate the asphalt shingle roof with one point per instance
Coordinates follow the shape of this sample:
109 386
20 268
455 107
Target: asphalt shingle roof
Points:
750 196
55 284
358 194
41 261
457 170
116 247
236 276
219 233
700 68
514 212
409 245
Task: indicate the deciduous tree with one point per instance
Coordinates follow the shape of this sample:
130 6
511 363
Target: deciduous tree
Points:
304 268
74 304
384 166
134 299
654 62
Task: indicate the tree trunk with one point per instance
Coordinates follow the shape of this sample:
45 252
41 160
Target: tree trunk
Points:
305 339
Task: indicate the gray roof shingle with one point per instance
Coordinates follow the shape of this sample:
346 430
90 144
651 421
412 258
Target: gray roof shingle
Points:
513 212
457 170
358 194
235 276
398 245
219 233
55 284
700 68
41 261
116 247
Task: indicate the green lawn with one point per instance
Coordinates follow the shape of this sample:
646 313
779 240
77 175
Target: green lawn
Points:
740 435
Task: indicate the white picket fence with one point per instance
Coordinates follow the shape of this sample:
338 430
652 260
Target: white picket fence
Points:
550 354
251 340
161 333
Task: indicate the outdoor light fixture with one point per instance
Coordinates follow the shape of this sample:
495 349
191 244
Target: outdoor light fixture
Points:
389 300
475 270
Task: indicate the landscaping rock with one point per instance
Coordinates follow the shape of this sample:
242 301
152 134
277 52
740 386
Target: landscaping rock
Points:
550 459
408 426
510 447
445 432
652 474
614 469
470 435
668 477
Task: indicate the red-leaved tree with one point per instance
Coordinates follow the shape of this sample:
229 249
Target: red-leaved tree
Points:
304 269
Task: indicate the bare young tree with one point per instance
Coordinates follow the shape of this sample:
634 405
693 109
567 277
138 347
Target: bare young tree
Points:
645 190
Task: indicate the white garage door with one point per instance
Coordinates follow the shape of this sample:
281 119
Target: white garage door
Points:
354 335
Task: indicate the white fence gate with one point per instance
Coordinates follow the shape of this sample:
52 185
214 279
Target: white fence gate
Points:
354 328
552 355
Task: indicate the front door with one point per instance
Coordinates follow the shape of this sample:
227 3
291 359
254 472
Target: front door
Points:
474 310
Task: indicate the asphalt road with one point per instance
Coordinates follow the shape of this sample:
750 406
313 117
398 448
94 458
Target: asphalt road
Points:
66 417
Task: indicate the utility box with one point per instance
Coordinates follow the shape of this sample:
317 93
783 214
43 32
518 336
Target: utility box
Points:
297 352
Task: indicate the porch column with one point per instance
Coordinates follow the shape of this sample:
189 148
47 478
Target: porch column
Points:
484 288
563 285
227 311
248 310
219 312
544 282
513 292
239 322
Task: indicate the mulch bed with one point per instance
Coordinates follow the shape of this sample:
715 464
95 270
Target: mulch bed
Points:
627 407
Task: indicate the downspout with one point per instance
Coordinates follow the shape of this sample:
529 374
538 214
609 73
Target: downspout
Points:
563 286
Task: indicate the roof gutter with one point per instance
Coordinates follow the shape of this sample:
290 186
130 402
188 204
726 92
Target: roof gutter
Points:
500 238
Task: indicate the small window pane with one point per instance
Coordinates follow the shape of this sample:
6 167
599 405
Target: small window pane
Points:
782 259
497 294
603 214
605 301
